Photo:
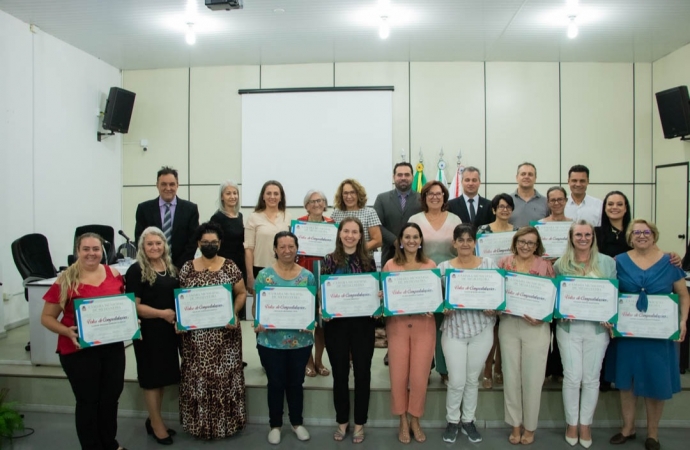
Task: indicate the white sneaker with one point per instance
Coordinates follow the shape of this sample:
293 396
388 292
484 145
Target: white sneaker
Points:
274 436
301 432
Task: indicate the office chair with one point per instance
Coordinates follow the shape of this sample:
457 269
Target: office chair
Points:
31 255
107 233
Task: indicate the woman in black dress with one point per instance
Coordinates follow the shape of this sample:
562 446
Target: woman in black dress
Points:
153 280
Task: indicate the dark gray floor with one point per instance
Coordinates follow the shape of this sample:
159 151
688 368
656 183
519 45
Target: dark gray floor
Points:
56 431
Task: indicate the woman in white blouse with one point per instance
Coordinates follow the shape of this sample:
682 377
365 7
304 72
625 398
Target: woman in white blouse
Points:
467 337
268 219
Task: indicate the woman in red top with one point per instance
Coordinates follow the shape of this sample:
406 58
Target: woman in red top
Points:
96 374
315 203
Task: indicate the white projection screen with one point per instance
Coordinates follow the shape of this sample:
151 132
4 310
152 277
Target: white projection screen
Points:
314 140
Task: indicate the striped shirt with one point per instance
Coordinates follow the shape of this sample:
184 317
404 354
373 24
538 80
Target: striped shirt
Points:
463 324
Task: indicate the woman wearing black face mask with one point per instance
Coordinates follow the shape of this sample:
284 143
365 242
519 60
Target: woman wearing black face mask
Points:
212 400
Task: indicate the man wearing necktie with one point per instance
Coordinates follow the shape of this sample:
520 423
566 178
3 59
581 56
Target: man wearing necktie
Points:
177 218
470 206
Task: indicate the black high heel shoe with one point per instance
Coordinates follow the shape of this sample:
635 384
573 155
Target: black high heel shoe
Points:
166 440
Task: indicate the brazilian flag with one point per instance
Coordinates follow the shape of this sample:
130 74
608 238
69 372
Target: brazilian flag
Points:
419 178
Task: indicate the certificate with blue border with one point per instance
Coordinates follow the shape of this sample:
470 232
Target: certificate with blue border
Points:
660 321
350 295
480 289
204 307
315 238
285 307
412 292
530 295
591 299
105 320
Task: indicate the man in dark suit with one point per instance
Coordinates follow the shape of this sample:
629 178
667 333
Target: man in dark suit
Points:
177 218
395 208
481 213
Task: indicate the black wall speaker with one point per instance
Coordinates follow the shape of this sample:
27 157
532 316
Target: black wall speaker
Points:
674 111
118 110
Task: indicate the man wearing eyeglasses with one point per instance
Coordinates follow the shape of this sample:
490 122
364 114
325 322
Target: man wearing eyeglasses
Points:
581 206
530 205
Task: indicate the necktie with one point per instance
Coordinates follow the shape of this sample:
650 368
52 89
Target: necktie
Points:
167 222
471 207
403 201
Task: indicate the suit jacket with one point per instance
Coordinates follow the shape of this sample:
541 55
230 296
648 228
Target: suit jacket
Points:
392 217
185 223
484 213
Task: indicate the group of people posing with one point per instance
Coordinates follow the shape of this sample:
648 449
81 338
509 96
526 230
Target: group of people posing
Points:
415 231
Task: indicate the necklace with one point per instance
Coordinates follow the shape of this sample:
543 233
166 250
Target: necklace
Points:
615 231
164 273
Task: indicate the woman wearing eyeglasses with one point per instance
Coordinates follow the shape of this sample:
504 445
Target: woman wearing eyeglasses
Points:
647 367
524 342
437 225
351 201
556 198
502 206
582 343
315 203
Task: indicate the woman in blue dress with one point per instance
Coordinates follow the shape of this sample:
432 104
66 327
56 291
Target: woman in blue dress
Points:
647 367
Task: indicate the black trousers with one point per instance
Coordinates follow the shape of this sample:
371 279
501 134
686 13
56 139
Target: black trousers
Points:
97 377
285 373
554 365
355 336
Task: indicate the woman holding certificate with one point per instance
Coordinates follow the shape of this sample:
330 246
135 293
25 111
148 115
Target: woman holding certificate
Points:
269 217
647 367
153 280
502 206
212 399
556 197
351 201
437 225
96 374
284 353
411 341
315 203
524 342
467 339
350 336
582 343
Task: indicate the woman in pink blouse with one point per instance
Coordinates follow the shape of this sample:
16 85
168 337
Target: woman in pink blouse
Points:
411 341
524 343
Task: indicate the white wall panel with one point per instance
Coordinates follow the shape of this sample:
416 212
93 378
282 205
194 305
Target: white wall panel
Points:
161 116
643 201
216 121
643 123
447 111
297 76
522 120
597 120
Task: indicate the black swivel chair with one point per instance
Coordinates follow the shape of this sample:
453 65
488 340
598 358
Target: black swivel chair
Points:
107 233
31 255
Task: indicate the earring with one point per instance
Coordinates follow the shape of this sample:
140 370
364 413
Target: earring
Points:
419 246
401 247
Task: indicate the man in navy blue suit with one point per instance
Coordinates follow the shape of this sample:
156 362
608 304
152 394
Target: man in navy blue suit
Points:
177 218
480 212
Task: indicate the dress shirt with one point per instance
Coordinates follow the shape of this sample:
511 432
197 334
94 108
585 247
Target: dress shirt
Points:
161 205
589 210
474 205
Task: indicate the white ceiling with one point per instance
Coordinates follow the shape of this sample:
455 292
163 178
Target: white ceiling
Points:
143 34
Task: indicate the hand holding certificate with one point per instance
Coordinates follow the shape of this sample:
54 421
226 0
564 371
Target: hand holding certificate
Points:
104 320
204 307
494 245
530 295
554 236
660 321
285 308
475 289
354 295
591 299
412 292
315 238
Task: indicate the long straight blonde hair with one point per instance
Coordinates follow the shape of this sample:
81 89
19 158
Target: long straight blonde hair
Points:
69 279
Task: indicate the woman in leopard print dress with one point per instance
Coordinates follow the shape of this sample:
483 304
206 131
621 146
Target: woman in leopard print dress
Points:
212 397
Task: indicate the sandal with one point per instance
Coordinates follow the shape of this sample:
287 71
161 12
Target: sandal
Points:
487 383
323 371
339 433
515 438
310 372
358 436
524 440
417 433
498 378
404 435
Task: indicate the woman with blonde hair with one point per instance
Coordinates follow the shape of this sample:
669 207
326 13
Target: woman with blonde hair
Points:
153 280
351 201
96 374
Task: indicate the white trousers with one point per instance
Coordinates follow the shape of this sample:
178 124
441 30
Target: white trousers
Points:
465 360
524 349
582 352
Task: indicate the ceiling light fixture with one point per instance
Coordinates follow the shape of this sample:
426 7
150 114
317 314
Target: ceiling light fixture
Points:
190 36
384 28
572 27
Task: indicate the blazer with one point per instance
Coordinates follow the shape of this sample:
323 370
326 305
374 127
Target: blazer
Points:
392 217
185 223
484 213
